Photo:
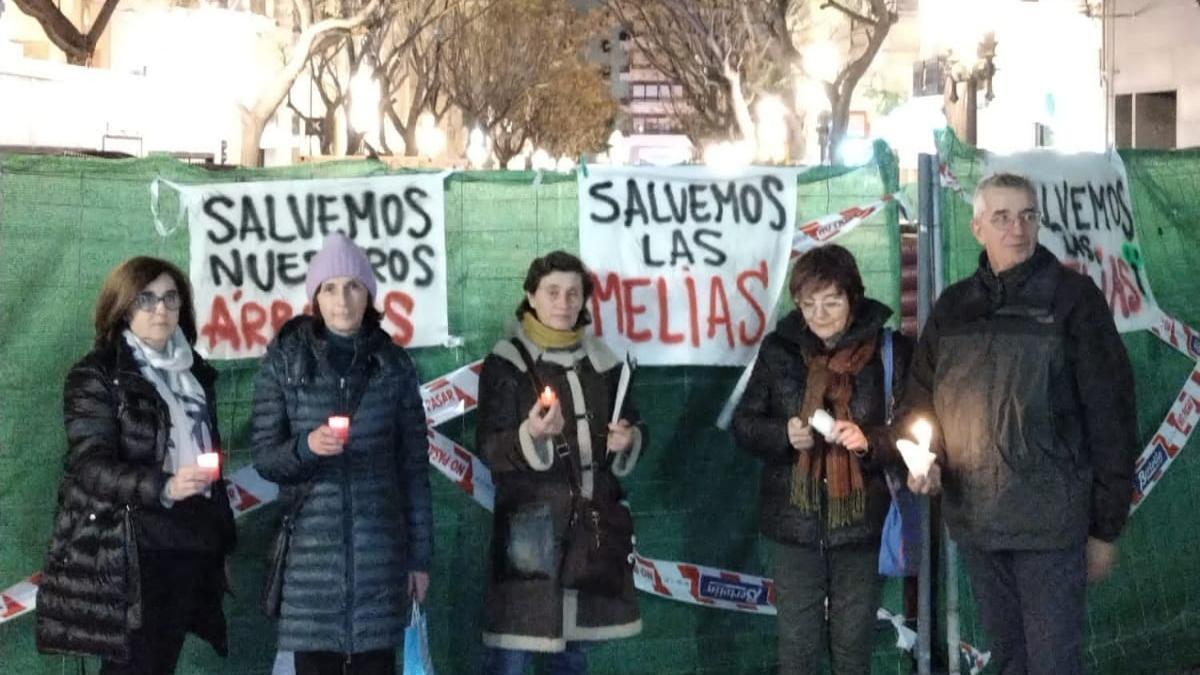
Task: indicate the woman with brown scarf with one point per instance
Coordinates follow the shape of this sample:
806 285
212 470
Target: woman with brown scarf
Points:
824 496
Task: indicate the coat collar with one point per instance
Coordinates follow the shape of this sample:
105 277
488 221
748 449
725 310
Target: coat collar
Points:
1013 282
868 318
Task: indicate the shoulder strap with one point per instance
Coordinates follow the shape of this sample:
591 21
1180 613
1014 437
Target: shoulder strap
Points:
888 370
527 359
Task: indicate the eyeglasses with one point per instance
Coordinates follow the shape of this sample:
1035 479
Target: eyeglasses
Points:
1002 220
148 302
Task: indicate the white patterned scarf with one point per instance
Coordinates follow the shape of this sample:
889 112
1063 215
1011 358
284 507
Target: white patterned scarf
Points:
170 373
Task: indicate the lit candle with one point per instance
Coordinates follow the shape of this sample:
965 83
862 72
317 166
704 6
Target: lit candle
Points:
924 433
210 461
917 456
547 398
341 426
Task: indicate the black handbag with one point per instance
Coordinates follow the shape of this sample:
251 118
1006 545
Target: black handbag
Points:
272 590
599 547
598 541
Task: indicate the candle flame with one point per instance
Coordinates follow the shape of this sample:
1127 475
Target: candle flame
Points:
924 433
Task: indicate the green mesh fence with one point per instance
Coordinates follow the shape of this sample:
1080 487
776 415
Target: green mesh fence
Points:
65 223
1146 617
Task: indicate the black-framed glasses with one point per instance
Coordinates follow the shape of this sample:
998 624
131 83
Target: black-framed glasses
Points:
1002 220
147 301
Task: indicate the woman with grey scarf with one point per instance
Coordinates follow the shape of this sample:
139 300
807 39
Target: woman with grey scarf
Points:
143 524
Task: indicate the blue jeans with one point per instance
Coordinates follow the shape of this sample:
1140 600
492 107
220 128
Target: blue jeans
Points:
572 661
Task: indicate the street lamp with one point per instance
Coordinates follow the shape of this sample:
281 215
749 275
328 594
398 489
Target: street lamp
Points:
477 149
771 129
430 139
364 102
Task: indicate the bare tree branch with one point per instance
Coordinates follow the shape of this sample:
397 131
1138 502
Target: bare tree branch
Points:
254 117
78 46
847 11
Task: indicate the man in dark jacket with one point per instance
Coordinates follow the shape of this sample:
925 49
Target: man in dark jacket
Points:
1031 392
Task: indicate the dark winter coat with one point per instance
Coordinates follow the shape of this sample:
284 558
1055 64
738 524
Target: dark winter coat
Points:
1033 396
109 507
538 614
367 521
775 393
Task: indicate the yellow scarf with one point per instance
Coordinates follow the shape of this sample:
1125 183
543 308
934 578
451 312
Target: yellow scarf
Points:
549 338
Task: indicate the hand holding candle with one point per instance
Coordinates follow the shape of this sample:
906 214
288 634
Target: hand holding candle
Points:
189 480
545 417
329 439
211 462
925 477
340 424
822 422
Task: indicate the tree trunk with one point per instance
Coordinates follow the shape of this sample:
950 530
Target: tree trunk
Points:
741 108
255 117
338 133
252 131
410 141
328 130
795 136
839 120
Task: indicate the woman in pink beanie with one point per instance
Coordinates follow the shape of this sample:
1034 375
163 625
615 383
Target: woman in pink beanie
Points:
362 532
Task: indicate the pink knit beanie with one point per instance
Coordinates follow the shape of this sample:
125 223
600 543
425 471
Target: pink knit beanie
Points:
339 257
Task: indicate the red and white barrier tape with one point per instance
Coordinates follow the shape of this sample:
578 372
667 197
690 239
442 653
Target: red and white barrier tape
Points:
463 468
949 181
1168 441
19 598
705 586
1185 339
452 396
826 228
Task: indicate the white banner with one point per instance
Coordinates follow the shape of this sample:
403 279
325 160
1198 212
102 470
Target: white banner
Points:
687 260
1088 223
251 243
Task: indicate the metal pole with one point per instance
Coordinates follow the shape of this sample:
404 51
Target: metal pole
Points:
926 177
937 244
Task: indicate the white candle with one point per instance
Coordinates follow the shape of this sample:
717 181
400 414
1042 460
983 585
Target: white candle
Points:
822 421
209 460
917 456
341 426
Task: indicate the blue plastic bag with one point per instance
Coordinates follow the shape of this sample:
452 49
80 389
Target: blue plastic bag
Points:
417 660
900 545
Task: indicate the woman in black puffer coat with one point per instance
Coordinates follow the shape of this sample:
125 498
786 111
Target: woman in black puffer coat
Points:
142 531
361 548
824 499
